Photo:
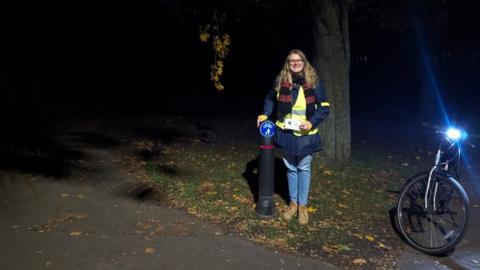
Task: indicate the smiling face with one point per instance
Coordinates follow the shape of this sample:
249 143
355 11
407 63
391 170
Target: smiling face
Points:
295 63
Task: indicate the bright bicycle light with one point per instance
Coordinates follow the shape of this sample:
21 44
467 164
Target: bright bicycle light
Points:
453 133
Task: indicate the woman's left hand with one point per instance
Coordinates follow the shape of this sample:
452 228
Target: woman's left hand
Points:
305 126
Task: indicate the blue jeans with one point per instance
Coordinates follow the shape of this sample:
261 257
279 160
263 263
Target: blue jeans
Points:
298 175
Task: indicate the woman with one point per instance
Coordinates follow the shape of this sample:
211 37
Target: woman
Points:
301 105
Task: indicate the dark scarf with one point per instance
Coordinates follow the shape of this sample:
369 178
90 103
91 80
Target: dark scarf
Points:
285 102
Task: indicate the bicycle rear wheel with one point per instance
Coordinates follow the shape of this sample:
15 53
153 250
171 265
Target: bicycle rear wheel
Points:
435 230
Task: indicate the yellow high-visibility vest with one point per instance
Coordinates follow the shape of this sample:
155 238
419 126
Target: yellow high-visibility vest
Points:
299 112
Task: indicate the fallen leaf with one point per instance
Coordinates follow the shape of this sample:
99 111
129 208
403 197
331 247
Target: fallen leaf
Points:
75 233
360 261
64 195
359 236
342 205
344 247
369 237
327 172
159 229
311 209
382 245
149 250
328 249
206 187
240 198
143 226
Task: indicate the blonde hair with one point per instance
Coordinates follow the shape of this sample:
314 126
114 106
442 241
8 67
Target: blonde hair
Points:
286 76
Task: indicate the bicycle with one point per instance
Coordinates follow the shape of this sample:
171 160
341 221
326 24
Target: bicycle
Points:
433 208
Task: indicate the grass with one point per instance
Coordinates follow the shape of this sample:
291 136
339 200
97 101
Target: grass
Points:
349 206
210 170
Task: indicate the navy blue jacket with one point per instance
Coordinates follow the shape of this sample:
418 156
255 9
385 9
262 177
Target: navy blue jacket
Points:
286 140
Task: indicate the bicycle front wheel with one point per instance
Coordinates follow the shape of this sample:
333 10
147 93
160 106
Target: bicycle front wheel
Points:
435 228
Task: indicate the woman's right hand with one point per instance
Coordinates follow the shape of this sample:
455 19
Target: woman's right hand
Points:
261 118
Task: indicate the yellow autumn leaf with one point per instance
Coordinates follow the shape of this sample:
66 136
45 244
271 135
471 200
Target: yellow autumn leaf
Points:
219 71
222 53
204 37
64 195
206 186
143 226
311 209
226 40
369 237
344 247
359 236
342 205
219 86
149 250
192 210
360 261
216 42
241 199
327 172
75 233
328 249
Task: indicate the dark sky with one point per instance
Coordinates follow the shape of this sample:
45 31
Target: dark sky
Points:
143 56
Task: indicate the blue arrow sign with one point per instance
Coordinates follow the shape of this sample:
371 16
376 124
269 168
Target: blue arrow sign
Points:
267 129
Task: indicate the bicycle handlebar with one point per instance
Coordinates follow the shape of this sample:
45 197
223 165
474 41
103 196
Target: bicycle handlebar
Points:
441 130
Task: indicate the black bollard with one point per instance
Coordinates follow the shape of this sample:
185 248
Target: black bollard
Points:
265 206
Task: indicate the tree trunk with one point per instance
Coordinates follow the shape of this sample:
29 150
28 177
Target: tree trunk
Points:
332 62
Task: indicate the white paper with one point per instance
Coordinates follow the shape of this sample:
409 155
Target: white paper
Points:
292 124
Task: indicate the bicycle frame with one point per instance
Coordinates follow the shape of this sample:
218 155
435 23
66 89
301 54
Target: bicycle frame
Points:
439 165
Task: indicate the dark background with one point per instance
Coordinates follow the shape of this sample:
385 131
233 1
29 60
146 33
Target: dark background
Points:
65 58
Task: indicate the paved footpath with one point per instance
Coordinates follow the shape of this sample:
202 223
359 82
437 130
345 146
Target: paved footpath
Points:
89 220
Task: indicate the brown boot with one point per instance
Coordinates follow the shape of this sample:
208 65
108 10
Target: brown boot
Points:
291 211
302 215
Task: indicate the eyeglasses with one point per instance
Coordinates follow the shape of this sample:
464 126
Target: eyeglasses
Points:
295 61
